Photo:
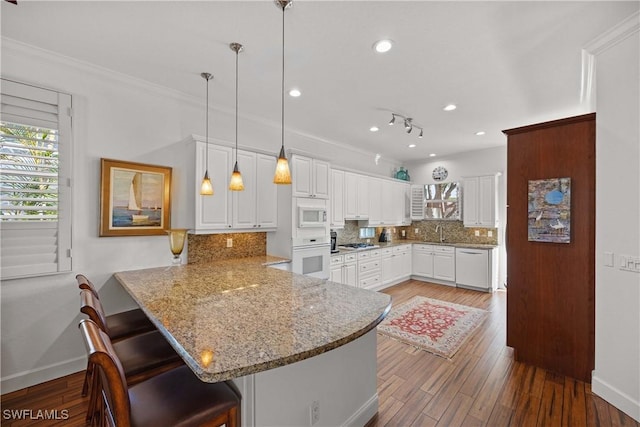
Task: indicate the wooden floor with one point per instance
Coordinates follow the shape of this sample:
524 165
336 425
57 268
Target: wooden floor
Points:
480 386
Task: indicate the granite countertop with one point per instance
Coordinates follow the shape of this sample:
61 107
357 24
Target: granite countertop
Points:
237 317
411 242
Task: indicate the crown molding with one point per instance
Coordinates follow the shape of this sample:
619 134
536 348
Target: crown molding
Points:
602 43
48 56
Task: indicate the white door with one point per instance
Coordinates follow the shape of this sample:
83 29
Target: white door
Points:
244 202
267 197
213 212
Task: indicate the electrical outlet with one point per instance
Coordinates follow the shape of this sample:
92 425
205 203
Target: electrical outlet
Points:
489 233
314 412
229 242
477 233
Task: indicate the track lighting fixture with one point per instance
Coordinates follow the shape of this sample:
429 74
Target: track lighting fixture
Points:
408 123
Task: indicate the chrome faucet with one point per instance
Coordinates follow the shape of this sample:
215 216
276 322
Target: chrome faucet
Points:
440 228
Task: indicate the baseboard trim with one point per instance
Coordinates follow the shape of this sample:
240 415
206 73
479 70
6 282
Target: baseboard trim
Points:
32 377
362 416
615 397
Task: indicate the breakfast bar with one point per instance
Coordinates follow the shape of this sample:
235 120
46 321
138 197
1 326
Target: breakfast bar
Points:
289 342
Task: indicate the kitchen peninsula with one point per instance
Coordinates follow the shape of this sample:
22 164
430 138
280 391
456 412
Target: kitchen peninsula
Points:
270 331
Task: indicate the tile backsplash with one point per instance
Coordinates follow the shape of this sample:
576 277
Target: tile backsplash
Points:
204 248
453 232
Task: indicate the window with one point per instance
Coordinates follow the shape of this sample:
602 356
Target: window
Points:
442 201
35 192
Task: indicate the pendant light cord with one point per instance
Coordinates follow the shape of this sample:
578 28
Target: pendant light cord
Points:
237 53
282 94
206 166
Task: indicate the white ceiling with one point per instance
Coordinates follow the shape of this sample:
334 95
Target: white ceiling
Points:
505 64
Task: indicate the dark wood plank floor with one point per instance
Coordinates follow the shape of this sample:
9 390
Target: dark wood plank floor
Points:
480 386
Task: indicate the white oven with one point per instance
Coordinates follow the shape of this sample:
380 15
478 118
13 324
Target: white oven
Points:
310 256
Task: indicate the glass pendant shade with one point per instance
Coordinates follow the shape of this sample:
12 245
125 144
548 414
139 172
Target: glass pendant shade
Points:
282 175
236 183
206 188
177 237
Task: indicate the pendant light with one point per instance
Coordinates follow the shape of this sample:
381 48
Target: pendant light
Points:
206 188
235 184
282 175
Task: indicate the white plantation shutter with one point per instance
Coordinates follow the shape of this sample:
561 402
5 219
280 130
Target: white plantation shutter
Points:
35 193
417 202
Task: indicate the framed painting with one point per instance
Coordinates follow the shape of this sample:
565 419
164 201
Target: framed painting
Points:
134 199
550 210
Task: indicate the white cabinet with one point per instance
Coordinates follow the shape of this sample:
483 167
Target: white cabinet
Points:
369 269
396 264
213 213
356 196
479 201
435 262
422 260
444 263
391 208
310 177
343 269
337 199
376 202
406 203
252 209
476 269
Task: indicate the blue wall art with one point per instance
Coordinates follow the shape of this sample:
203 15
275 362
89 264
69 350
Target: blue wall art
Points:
550 210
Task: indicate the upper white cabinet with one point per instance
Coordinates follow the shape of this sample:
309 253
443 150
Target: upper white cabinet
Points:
310 177
375 202
213 212
254 208
337 199
356 196
480 202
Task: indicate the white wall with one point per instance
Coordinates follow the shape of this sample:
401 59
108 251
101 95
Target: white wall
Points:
617 373
473 163
121 118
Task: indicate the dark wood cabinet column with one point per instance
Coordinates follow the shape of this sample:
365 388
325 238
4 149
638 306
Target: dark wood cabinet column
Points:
551 294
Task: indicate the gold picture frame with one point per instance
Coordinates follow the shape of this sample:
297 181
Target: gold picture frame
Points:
135 199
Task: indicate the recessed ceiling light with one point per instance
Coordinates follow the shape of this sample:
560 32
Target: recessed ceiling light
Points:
295 93
450 107
374 129
432 155
412 145
382 46
480 133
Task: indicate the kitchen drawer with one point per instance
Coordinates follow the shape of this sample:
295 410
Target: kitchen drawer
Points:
387 251
423 248
365 267
369 254
401 248
350 258
336 260
444 249
369 282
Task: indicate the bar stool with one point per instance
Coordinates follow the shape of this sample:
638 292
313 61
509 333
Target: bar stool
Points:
119 325
142 356
173 398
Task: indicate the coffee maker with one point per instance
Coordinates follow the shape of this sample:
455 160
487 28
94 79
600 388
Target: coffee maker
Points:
334 242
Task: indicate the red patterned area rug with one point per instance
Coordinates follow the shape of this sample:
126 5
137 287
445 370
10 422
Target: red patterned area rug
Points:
438 327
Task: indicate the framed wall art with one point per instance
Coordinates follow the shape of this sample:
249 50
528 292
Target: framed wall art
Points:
550 210
134 199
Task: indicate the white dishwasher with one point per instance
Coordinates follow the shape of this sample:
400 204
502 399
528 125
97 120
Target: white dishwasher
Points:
475 269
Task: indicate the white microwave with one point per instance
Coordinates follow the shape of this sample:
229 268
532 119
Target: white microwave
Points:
311 217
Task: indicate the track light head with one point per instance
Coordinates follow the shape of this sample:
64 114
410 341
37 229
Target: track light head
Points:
393 119
421 131
407 124
409 129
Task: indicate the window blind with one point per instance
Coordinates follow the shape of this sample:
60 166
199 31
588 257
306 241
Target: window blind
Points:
35 203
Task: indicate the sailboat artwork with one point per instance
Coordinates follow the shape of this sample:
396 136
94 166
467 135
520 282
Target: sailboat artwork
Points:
136 197
550 210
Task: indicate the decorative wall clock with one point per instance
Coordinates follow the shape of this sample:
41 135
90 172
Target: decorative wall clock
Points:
440 173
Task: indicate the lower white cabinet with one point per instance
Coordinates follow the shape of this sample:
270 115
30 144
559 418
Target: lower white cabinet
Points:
396 264
436 262
343 269
369 269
